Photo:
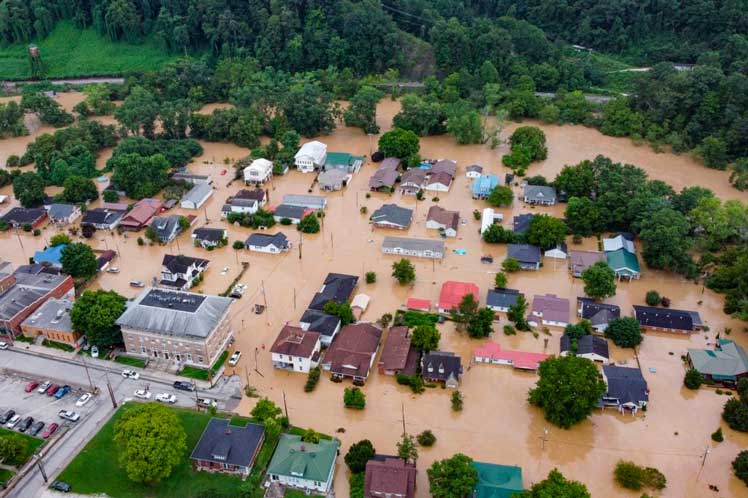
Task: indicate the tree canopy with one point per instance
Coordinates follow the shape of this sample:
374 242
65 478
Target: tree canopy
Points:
599 281
453 477
399 143
78 260
95 313
556 486
624 332
358 454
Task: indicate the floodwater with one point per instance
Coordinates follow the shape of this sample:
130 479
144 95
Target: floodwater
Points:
497 424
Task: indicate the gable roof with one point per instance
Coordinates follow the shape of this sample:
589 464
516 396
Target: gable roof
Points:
352 349
441 365
622 260
337 287
524 253
477 168
198 193
598 313
314 150
61 211
502 298
257 194
166 227
209 234
332 176
727 359
414 303
450 219
524 360
383 177
393 214
229 444
391 163
618 242
484 184
650 316
441 177
452 293
414 176
444 166
521 222
279 240
21 216
627 385
51 255
389 476
410 244
100 216
319 321
304 200
295 341
539 192
581 260
553 308
309 461
396 348
143 211
181 263
292 212
587 344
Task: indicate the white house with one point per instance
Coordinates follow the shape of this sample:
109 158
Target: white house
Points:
488 218
438 182
474 171
64 214
240 205
267 243
558 252
591 347
308 467
296 349
443 220
197 196
260 171
311 156
549 310
179 272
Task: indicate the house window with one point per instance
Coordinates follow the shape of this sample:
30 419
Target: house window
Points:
199 359
189 356
155 354
178 357
142 349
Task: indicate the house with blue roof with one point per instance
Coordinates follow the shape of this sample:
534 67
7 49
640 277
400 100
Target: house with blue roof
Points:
51 256
483 185
497 481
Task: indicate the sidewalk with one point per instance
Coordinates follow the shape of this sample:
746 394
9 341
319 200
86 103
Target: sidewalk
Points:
73 358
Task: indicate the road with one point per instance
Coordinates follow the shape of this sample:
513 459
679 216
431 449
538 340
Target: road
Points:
101 408
69 81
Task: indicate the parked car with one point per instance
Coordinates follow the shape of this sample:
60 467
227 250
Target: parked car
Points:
183 386
36 427
166 398
13 421
207 403
94 352
3 345
52 390
113 269
235 358
62 392
43 388
68 415
130 374
143 394
6 416
31 386
136 283
51 428
25 424
83 399
61 486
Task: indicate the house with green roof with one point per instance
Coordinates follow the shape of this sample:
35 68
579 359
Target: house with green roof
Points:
343 161
305 466
497 481
624 263
724 364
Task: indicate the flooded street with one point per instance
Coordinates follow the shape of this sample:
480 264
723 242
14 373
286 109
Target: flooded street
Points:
497 424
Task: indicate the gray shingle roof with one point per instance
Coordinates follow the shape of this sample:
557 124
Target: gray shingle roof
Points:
393 214
54 314
230 444
198 193
540 192
60 211
279 240
413 244
626 384
288 211
502 298
524 253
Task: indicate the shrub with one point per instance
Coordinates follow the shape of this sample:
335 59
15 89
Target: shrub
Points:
510 265
371 277
632 476
476 215
415 382
358 454
665 302
27 227
141 241
426 438
652 298
735 413
238 244
509 330
354 398
36 232
312 379
286 221
740 466
717 435
693 379
457 401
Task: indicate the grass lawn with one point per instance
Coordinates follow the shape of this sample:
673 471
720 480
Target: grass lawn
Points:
57 345
5 475
95 470
202 373
130 360
293 493
32 443
299 431
69 52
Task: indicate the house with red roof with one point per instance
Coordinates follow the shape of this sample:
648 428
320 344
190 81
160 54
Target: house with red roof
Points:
352 351
141 214
493 354
452 293
398 354
389 477
417 304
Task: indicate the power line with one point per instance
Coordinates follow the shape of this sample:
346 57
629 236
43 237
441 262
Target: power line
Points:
393 9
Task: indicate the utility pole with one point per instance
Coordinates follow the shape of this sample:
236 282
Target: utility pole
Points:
264 296
246 374
88 375
703 461
285 406
301 242
402 408
42 470
294 298
543 438
111 393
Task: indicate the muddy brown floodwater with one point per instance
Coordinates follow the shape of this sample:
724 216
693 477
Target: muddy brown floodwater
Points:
497 424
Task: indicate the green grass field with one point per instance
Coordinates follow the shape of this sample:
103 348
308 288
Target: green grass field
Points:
202 373
95 470
32 443
69 52
5 475
130 360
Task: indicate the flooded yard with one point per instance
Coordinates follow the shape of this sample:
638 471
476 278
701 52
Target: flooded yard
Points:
497 424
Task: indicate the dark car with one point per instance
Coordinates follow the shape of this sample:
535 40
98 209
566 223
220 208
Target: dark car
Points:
6 416
25 424
182 385
61 486
36 427
62 392
52 389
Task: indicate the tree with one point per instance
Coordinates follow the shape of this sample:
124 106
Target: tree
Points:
717 435
78 260
28 188
404 271
139 176
599 280
466 310
406 448
652 298
465 125
632 476
693 379
358 454
517 312
425 338
577 180
713 152
556 486
456 401
79 189
426 438
422 116
527 145
743 389
371 277
95 314
399 143
362 112
735 413
501 195
265 410
138 112
500 280
310 436
237 245
453 477
740 466
496 234
342 311
12 447
353 397
59 239
583 216
151 442
546 231
309 224
510 265
665 234
625 332
568 389
481 323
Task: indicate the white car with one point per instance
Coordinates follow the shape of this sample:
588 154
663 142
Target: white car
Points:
166 398
130 374
3 345
207 403
83 399
68 415
43 388
143 394
235 358
13 421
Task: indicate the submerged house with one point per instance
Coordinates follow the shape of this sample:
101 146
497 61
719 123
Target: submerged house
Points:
442 366
308 467
725 364
627 388
311 156
296 349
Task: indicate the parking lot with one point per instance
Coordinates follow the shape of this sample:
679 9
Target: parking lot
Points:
40 406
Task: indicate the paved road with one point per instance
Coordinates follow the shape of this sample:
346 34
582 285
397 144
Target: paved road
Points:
70 81
100 409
